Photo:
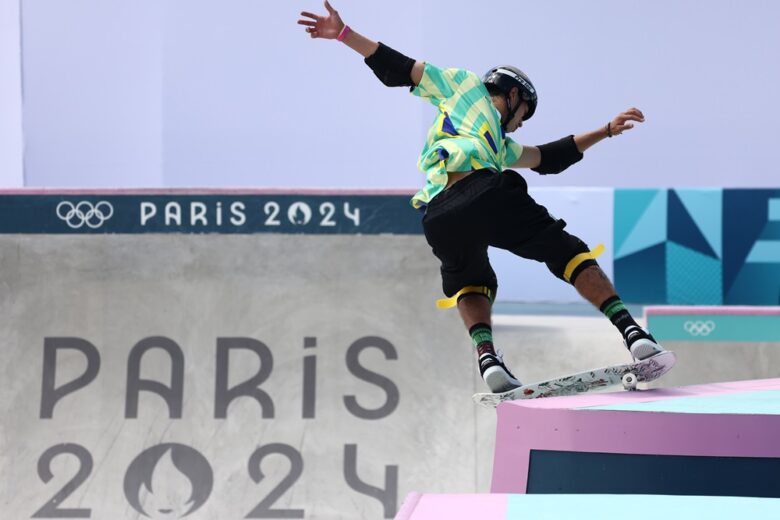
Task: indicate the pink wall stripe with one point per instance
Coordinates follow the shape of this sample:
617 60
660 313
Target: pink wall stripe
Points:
661 310
657 394
201 191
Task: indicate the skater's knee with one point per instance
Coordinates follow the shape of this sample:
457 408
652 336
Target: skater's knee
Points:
581 266
571 266
580 262
488 292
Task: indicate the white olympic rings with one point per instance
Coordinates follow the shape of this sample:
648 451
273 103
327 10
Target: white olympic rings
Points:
85 213
699 327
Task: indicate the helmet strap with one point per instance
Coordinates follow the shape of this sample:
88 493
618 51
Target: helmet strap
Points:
510 112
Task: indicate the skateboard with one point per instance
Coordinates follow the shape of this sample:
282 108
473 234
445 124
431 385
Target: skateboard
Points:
628 375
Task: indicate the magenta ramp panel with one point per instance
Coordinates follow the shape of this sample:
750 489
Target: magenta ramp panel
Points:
708 440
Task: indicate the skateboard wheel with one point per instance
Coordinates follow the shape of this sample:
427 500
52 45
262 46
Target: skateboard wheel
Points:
629 381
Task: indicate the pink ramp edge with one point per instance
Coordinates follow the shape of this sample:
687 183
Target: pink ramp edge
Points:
554 425
407 508
454 507
657 394
724 310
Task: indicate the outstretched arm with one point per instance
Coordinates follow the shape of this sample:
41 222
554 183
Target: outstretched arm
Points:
331 27
557 156
615 127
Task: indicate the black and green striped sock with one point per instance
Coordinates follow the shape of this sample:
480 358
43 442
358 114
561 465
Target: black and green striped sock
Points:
614 309
481 335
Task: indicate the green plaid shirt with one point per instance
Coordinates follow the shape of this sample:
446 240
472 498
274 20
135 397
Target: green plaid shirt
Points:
466 134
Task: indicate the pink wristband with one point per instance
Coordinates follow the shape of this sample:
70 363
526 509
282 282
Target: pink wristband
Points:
343 34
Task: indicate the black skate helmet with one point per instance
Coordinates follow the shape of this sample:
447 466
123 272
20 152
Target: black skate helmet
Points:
502 79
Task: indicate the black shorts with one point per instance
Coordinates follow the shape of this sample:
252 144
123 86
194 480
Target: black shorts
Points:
489 208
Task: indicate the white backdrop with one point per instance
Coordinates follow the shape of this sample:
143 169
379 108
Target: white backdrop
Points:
11 171
234 93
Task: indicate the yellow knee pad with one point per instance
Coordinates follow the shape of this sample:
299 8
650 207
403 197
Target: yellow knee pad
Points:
448 303
575 262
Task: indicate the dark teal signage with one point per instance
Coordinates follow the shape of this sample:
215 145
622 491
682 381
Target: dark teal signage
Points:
211 213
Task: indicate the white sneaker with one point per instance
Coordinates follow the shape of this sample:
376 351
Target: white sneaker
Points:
495 373
641 343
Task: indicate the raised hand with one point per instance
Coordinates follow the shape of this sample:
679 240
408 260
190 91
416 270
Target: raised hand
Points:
621 122
327 27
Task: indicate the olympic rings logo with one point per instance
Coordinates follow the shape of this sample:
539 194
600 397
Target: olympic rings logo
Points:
85 213
699 328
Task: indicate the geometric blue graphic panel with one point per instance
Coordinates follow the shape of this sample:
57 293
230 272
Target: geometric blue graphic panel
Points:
640 220
684 230
641 277
774 210
746 291
705 207
764 252
692 278
751 256
718 246
630 207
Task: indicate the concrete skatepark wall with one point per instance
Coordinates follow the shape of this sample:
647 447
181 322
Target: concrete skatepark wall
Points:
292 372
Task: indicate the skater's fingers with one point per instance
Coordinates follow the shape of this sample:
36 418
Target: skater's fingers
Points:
631 117
621 119
307 23
635 113
307 14
631 114
329 7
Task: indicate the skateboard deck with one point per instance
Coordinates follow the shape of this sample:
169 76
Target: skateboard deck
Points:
627 375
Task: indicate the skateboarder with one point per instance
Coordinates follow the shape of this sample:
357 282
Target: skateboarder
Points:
470 201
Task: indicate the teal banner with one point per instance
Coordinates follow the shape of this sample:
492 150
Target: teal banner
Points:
715 327
209 213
